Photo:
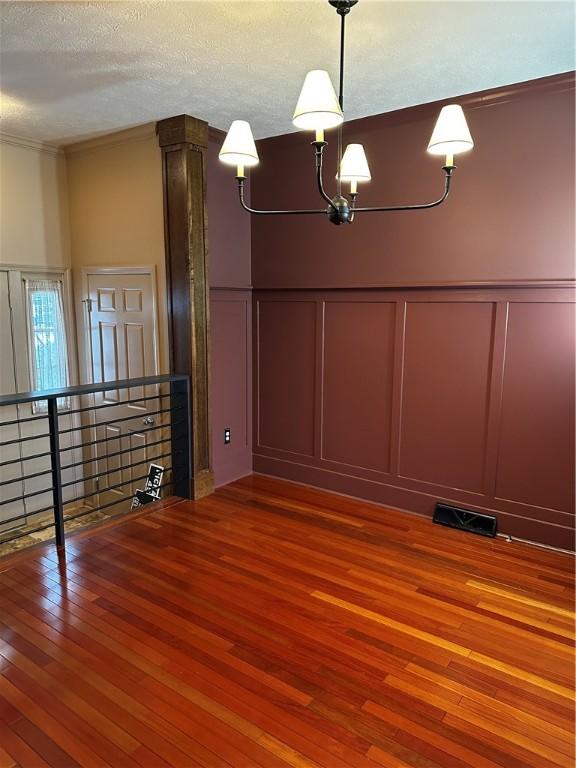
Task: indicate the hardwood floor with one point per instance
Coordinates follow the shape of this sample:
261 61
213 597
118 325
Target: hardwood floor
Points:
272 625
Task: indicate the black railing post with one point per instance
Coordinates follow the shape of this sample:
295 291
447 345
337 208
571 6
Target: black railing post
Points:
181 420
56 470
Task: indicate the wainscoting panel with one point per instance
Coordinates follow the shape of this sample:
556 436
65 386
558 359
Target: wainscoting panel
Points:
445 387
537 431
358 347
412 396
231 382
286 339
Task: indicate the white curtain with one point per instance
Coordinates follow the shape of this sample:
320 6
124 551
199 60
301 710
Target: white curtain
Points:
48 355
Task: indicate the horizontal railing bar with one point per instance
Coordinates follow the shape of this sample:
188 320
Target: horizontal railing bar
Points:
21 516
87 389
27 418
68 518
113 437
113 488
108 439
69 412
50 508
24 515
124 482
23 479
28 530
35 456
25 532
25 439
26 496
116 421
79 446
110 455
112 405
19 460
116 453
113 503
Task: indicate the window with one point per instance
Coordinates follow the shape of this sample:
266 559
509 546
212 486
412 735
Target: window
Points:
48 358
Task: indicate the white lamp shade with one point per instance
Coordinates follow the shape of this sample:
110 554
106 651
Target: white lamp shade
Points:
239 147
451 134
318 105
354 166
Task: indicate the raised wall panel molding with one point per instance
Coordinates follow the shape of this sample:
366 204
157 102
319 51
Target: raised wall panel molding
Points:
231 355
358 345
445 383
430 401
184 140
286 401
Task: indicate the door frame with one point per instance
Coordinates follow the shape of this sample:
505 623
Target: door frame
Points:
16 274
84 336
20 333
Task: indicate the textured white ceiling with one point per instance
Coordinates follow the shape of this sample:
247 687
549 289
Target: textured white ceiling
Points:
76 69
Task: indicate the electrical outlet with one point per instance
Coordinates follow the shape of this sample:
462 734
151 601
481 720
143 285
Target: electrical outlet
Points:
227 435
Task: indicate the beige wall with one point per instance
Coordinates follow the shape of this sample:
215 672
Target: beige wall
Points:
116 213
33 205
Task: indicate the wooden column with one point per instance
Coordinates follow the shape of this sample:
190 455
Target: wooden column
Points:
184 143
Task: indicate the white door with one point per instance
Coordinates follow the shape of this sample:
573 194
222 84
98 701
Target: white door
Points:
122 344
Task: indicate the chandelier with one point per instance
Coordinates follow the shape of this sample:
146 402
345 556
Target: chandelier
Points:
319 109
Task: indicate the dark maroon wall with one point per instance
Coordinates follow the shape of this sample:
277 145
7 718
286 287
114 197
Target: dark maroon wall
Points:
230 321
510 216
380 371
229 234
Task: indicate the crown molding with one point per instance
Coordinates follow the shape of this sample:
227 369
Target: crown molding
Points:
137 133
565 81
24 143
492 97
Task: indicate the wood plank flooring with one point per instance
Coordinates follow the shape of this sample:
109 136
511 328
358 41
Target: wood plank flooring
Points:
273 625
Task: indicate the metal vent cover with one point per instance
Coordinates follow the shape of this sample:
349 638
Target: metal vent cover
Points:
465 520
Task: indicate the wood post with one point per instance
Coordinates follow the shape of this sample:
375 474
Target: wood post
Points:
184 144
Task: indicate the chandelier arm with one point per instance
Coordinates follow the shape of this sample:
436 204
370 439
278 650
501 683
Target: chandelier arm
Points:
319 145
423 206
321 186
255 210
353 196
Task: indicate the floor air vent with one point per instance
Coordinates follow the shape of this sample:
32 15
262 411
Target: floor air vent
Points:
454 517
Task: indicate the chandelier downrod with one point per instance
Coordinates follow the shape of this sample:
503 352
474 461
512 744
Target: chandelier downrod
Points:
317 106
341 97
